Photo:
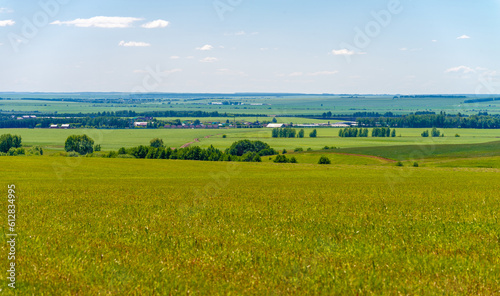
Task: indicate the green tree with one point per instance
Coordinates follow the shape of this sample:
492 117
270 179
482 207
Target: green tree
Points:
393 134
324 160
281 159
425 133
8 141
301 133
81 144
313 134
435 132
156 143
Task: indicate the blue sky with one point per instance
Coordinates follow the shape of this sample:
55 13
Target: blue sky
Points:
365 46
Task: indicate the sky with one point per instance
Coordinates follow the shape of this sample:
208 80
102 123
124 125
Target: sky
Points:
226 46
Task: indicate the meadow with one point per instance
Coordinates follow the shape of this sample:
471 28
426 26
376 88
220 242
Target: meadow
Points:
272 104
91 226
113 139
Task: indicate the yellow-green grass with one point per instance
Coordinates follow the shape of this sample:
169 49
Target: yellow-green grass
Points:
112 139
90 226
329 137
335 158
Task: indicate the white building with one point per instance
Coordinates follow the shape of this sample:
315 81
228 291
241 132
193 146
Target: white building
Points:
275 125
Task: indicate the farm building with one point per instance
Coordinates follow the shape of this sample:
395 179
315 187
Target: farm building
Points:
140 124
53 126
64 125
275 125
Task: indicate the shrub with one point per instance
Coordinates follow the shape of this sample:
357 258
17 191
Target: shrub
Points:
425 134
293 160
81 144
298 150
8 141
224 136
399 164
15 151
156 143
415 164
435 132
457 136
97 147
281 159
35 150
324 160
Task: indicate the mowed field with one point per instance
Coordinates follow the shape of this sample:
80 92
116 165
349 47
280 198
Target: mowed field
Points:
53 139
90 226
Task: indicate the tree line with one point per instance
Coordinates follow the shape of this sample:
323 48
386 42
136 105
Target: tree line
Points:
288 132
441 120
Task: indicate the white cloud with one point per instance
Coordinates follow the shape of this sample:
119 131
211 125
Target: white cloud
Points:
209 60
133 44
410 49
229 72
156 24
175 57
434 40
100 22
295 74
6 23
168 72
463 69
463 37
205 47
345 52
5 10
320 73
239 33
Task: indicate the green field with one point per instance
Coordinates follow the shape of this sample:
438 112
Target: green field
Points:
272 104
53 139
91 226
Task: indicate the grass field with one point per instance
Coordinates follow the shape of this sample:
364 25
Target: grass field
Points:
91 226
53 139
272 104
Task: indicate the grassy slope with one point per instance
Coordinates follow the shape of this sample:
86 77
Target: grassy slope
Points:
90 225
114 139
411 152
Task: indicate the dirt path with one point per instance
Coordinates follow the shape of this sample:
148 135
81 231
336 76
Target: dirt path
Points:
197 140
188 144
369 156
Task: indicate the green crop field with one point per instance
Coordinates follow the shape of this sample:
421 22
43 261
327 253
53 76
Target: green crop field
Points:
90 226
270 104
53 139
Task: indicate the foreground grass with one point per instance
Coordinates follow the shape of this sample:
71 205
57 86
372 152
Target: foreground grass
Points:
91 226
